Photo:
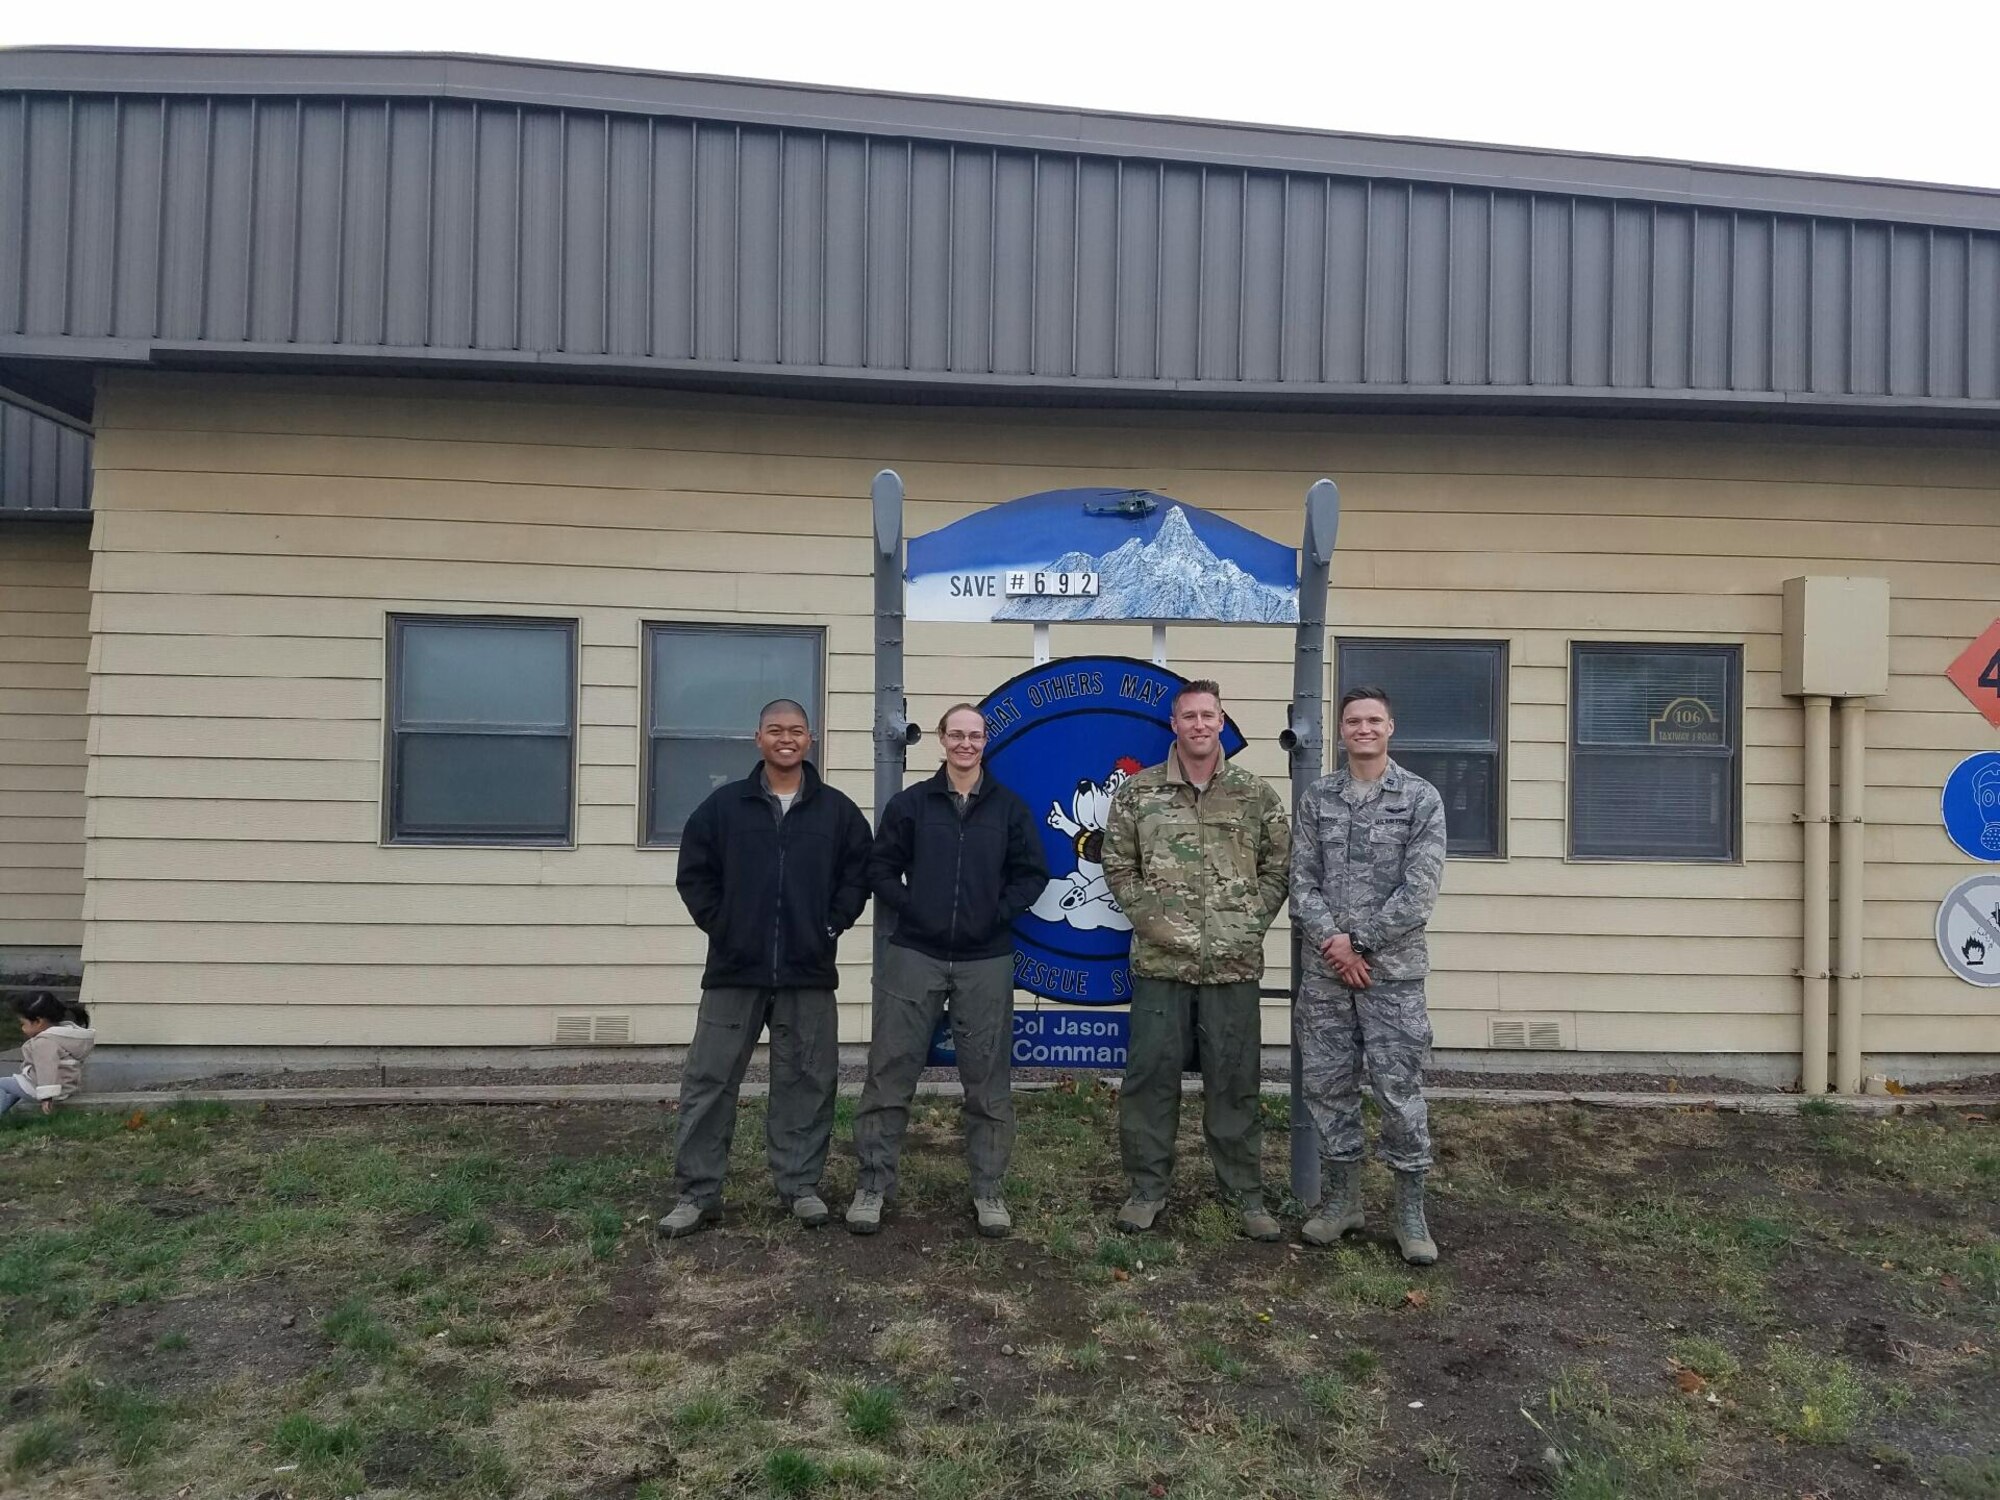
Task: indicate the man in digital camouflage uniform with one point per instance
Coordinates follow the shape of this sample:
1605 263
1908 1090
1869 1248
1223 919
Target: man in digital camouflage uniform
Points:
1194 851
1367 857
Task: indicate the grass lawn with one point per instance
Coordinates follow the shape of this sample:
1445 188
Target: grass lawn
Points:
278 1303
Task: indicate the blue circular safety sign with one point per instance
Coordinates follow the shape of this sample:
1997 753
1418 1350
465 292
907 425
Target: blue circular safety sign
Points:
1971 805
1065 736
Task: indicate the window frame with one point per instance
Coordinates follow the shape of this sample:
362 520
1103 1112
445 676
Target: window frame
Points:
1732 653
396 623
651 633
1500 655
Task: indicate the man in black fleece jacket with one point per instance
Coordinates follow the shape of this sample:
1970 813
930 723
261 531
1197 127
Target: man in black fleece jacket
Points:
957 858
773 868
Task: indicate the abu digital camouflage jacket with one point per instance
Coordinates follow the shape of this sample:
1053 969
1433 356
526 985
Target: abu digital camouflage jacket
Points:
1369 868
1200 876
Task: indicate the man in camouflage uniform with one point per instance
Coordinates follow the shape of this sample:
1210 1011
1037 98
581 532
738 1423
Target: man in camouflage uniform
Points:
1366 861
1194 851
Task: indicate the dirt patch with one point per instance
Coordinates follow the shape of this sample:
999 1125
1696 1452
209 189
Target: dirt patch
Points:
258 1330
1984 1083
556 1388
625 1318
25 1401
401 1461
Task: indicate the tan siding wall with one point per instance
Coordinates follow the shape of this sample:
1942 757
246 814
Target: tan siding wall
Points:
252 536
44 675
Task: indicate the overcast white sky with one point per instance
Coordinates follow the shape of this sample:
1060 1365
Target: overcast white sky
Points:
1902 90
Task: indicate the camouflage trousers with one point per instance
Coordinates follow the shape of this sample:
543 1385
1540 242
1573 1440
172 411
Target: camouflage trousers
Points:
1384 1028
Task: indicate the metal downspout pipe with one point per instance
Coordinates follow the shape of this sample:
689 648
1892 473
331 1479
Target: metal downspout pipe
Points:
1814 949
1853 865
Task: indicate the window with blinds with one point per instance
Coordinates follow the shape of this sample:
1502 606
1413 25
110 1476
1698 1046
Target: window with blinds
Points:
1449 702
704 687
481 731
1655 751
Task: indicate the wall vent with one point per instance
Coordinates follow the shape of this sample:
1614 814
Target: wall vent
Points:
593 1031
1528 1034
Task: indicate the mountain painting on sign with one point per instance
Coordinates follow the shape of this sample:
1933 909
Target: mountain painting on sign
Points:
1100 555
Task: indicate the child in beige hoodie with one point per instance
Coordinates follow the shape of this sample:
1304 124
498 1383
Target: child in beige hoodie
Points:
58 1038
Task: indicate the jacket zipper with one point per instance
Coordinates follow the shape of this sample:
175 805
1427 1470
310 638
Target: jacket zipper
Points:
1201 845
957 874
778 912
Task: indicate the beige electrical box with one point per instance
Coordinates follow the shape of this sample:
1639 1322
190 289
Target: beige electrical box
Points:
1836 637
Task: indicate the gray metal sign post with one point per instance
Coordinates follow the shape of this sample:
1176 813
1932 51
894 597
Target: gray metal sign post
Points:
894 733
1305 739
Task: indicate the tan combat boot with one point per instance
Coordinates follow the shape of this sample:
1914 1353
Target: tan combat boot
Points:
1139 1214
1339 1211
1259 1223
1413 1236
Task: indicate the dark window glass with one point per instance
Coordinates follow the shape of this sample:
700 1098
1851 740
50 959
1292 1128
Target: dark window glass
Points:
1450 700
1653 751
704 686
482 730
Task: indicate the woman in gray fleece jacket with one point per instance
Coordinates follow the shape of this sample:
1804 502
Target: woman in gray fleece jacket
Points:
58 1038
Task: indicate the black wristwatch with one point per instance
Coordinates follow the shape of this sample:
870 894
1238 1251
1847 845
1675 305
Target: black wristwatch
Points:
1357 947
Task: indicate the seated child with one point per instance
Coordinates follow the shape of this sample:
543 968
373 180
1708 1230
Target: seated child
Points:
58 1039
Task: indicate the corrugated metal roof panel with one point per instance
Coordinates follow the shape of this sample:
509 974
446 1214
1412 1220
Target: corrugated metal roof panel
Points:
315 226
44 466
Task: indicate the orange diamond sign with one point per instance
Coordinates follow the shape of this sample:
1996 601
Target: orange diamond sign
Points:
1977 673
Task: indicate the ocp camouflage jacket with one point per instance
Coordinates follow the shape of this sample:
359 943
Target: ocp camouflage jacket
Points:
1370 870
1200 876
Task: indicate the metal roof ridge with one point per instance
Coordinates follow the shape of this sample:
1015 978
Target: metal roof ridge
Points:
1016 123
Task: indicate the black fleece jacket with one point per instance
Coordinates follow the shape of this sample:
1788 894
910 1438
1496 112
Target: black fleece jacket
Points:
956 883
772 894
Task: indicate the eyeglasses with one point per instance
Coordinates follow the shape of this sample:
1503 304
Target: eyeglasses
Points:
965 737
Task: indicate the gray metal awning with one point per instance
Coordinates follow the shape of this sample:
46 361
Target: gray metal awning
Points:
486 217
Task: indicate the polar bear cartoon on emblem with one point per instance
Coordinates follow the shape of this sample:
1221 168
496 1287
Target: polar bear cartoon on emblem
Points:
1082 899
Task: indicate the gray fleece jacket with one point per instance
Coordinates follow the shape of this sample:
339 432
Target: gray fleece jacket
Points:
52 1063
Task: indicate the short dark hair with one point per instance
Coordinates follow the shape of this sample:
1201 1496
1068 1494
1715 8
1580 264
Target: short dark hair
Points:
1193 686
1355 695
778 705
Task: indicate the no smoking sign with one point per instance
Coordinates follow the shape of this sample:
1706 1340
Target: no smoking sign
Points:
1976 673
1968 930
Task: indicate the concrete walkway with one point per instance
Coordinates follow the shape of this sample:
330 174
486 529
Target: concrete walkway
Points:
663 1093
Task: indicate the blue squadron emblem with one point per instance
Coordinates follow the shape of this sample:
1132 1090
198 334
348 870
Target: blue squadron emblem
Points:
1065 736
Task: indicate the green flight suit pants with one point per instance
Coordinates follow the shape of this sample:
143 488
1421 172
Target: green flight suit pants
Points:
1223 1022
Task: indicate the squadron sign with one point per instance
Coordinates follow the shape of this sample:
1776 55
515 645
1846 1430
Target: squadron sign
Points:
1066 734
1064 737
